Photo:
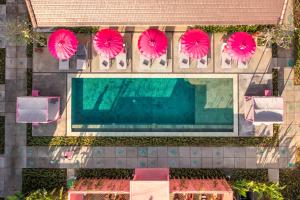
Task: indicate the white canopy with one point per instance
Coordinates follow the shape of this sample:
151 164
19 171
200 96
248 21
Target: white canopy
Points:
264 110
37 109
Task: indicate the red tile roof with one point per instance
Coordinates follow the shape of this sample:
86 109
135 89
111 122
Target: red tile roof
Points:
48 13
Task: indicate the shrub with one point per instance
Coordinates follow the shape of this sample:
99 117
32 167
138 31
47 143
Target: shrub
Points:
21 32
297 57
275 75
290 178
2 134
233 28
48 179
2 66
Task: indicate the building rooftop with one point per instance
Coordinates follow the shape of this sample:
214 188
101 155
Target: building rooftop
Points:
49 13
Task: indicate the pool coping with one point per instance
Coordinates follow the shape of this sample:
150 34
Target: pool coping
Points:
154 134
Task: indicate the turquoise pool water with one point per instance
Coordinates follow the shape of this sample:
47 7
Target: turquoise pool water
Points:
163 102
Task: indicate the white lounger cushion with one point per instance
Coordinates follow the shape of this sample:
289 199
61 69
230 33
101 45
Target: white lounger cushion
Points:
184 61
121 60
81 64
63 64
104 62
162 60
242 65
202 62
226 60
145 62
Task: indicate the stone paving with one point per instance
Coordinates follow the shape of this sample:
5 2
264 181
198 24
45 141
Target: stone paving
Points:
174 157
12 162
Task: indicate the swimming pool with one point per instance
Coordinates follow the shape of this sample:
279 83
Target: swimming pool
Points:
151 104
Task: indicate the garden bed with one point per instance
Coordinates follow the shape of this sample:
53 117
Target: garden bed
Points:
297 58
290 178
275 75
2 134
49 179
259 175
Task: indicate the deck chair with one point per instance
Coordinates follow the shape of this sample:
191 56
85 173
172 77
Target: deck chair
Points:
121 59
145 62
81 57
226 60
242 64
184 61
64 64
202 62
104 62
162 60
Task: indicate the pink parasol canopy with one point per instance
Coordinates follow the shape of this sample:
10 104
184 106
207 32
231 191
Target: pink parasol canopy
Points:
108 42
241 46
153 43
62 44
195 43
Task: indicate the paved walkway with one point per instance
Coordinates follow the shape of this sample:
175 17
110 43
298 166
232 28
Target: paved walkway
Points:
12 162
182 157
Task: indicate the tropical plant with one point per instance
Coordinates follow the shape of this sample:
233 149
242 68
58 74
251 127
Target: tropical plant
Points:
39 194
17 196
21 32
282 35
264 191
56 194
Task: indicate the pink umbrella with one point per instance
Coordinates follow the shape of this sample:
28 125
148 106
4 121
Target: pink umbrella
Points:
108 42
153 43
62 44
195 43
241 46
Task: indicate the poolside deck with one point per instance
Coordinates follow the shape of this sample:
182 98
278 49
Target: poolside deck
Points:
251 80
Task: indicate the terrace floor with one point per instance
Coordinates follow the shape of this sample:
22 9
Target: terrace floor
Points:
252 80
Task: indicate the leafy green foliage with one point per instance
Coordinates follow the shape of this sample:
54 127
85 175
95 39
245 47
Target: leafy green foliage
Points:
233 28
271 191
17 196
297 57
291 179
21 32
29 81
275 82
48 179
104 173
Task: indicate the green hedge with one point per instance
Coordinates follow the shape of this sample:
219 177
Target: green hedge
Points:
210 28
275 75
291 179
297 57
2 65
259 175
233 28
2 134
49 179
151 141
29 81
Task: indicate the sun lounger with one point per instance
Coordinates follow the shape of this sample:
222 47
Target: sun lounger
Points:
145 62
163 60
81 57
226 60
202 62
121 59
63 64
184 61
242 64
104 62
